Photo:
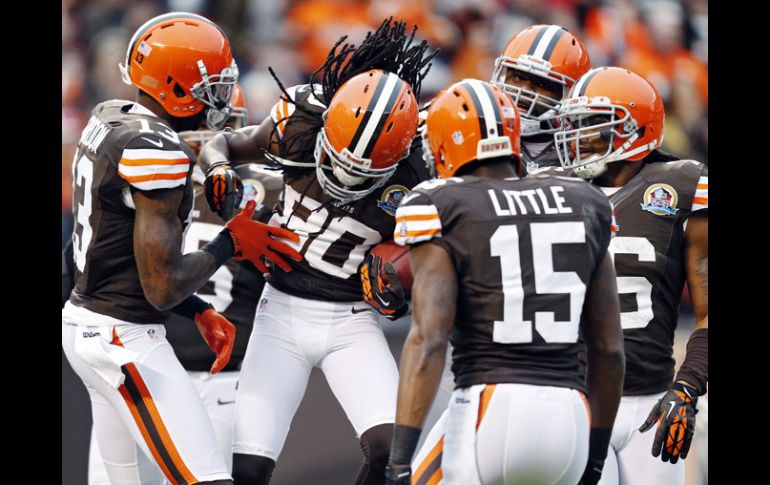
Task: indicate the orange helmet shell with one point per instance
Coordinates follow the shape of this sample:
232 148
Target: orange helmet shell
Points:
368 127
561 56
162 59
374 116
635 111
468 121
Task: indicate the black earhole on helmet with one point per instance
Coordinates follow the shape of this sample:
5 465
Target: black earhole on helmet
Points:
389 127
456 93
169 80
465 107
366 89
402 105
178 91
358 112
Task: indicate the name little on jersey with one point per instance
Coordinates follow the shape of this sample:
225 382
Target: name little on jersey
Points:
532 201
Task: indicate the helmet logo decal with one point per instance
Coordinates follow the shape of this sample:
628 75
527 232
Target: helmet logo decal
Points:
457 137
661 200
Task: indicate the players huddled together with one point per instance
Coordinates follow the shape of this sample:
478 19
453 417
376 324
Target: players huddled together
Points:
548 235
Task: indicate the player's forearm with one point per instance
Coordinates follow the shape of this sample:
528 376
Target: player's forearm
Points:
606 370
422 363
167 276
236 148
215 151
170 285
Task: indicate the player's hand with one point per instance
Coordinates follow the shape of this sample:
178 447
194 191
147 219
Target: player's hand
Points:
592 473
675 414
254 240
384 294
224 190
398 474
219 335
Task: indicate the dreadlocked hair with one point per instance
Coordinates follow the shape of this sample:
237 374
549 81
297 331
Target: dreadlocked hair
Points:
388 48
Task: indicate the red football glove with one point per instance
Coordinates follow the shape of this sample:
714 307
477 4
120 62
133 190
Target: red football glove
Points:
219 335
253 241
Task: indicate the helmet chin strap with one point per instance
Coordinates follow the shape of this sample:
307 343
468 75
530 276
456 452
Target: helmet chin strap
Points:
592 169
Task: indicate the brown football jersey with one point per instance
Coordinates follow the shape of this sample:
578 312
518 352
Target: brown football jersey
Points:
334 237
649 254
235 288
524 251
123 148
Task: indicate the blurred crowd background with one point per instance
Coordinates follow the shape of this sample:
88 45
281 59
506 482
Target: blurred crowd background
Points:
665 41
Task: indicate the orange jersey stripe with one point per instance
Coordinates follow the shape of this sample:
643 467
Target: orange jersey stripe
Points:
154 176
700 200
486 396
156 420
433 455
154 161
702 187
417 217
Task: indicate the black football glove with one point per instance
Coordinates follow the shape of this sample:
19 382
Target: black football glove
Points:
675 414
224 190
398 474
384 295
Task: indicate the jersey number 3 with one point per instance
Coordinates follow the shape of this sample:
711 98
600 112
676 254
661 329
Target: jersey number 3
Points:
83 174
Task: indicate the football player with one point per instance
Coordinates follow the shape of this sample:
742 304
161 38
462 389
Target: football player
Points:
339 142
537 68
233 290
611 132
132 199
510 270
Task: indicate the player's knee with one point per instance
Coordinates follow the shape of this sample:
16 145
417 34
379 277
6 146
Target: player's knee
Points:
252 469
375 443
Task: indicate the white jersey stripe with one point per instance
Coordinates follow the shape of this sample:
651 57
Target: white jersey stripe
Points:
150 154
158 184
129 171
412 210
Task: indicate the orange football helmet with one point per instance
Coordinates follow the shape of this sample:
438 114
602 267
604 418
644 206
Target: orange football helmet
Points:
547 52
468 121
614 104
368 127
185 63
